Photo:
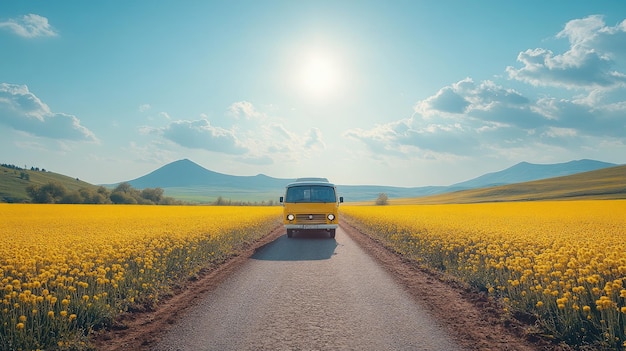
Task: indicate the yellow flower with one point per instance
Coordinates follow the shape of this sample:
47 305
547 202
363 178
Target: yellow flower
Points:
20 326
51 314
539 303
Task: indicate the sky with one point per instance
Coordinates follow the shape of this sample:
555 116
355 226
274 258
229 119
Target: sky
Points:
403 93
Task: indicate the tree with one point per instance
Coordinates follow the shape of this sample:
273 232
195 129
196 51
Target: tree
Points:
123 187
220 201
155 195
118 197
49 193
382 199
124 193
100 196
74 197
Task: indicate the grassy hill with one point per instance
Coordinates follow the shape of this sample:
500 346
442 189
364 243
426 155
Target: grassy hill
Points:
607 183
13 187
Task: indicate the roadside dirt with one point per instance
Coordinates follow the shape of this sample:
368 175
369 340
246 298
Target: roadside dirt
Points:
477 322
139 330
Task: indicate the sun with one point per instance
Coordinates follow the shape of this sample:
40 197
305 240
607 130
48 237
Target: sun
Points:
319 75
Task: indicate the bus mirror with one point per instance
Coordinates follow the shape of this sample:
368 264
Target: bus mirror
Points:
281 199
340 198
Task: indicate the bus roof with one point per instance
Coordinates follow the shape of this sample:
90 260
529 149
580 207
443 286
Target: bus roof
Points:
312 179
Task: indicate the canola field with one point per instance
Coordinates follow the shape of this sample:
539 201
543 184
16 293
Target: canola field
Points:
68 269
563 263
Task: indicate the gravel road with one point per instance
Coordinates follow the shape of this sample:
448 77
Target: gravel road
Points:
308 293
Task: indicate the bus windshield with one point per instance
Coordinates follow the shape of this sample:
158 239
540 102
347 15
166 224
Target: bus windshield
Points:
310 193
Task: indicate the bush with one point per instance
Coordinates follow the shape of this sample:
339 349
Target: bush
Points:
382 199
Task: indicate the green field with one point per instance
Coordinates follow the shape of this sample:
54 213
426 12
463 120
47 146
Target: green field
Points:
211 194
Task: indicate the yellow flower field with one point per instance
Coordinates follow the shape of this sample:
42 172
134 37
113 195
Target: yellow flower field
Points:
65 269
563 262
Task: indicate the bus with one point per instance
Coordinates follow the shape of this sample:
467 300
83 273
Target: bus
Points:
311 204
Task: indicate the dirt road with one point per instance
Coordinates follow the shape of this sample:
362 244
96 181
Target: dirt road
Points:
308 293
314 293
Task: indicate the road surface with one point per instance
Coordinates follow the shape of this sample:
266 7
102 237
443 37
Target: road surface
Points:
308 293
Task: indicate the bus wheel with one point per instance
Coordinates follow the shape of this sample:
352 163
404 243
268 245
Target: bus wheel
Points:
332 233
289 233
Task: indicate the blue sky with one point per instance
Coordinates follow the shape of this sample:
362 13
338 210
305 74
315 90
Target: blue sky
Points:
407 93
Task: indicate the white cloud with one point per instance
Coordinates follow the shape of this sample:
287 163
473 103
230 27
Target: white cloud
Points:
555 132
485 119
590 62
22 110
313 139
492 117
144 107
30 26
245 109
200 134
254 137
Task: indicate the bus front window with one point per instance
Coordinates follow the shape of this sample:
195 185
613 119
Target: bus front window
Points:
310 193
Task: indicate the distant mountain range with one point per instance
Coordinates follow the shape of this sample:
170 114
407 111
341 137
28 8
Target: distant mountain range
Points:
187 180
525 172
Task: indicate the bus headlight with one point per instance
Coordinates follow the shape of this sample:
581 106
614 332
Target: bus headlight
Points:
331 217
290 217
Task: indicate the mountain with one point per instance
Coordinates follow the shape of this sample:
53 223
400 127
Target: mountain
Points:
525 172
189 181
186 173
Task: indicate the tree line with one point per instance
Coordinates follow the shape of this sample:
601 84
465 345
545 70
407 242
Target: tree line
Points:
17 168
124 193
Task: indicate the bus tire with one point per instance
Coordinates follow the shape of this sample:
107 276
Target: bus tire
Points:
289 233
332 233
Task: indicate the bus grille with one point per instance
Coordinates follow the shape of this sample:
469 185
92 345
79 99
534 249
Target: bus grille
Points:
311 218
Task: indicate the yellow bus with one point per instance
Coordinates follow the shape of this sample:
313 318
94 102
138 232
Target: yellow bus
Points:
311 204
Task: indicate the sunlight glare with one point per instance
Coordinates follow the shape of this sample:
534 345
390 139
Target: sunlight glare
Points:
319 75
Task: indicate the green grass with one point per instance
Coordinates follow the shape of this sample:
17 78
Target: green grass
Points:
210 194
13 188
607 183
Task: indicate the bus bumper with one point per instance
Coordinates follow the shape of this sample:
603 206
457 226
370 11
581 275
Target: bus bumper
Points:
311 226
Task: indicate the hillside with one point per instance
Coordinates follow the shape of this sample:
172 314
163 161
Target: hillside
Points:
188 181
13 187
606 183
525 172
